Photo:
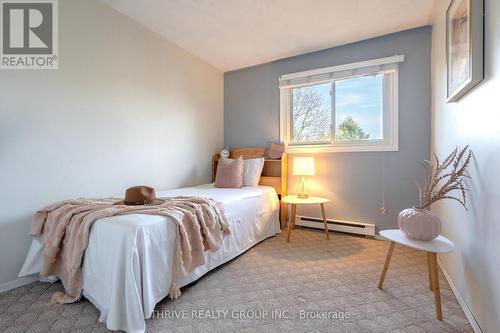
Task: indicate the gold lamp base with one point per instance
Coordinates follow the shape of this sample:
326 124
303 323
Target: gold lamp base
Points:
302 186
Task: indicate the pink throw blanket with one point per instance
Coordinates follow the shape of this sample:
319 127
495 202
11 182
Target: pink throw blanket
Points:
64 229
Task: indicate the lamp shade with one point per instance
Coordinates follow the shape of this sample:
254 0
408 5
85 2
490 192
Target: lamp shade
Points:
303 166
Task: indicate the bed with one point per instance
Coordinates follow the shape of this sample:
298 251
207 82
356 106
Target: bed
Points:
127 267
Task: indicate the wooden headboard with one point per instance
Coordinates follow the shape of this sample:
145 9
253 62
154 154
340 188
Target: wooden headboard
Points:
273 173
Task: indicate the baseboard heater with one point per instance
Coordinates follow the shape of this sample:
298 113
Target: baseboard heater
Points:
366 229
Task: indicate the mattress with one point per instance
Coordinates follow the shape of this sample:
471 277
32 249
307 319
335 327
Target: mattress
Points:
127 267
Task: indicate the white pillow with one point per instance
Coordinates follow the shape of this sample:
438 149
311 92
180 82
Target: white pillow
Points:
252 170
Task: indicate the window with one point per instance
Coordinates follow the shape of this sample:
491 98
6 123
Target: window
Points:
342 108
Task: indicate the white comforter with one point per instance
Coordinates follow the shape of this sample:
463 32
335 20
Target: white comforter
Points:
127 267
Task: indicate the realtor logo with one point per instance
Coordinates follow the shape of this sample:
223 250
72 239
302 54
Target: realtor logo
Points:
29 38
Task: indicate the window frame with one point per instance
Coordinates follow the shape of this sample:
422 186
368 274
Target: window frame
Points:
389 102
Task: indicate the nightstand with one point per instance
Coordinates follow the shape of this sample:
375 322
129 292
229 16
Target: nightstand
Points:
293 201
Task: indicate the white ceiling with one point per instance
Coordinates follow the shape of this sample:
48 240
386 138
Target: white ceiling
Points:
232 34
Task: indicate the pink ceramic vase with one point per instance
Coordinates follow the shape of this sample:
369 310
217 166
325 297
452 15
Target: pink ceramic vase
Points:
419 224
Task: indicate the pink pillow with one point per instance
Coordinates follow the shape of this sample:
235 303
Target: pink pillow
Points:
229 173
276 150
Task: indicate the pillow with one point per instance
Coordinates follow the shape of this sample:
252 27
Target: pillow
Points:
252 169
276 150
229 173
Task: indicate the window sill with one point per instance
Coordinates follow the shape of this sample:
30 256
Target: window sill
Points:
341 148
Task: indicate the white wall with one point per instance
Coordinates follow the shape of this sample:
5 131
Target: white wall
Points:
475 120
125 107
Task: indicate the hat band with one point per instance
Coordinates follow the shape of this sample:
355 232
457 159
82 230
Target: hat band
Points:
138 203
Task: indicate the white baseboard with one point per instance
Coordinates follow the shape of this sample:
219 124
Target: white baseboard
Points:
351 227
461 301
17 283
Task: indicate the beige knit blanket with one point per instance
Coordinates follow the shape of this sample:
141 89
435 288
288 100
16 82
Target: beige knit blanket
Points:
64 229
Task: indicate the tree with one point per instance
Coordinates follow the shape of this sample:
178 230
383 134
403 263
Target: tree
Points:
311 117
350 130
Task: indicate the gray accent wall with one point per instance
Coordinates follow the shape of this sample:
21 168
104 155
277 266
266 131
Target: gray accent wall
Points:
359 184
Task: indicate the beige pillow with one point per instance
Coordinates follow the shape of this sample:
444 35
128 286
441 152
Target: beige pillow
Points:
229 173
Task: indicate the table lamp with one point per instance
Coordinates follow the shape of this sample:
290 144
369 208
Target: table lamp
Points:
303 166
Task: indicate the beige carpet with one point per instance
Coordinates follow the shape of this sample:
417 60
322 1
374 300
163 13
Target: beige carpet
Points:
330 278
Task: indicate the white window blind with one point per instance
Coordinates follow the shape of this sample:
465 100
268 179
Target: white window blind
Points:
329 74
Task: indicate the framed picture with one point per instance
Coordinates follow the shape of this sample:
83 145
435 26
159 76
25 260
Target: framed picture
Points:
464 46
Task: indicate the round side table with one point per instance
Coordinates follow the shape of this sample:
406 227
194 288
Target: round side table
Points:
293 201
437 245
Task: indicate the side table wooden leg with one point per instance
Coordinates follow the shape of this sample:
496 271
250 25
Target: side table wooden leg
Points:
435 284
386 265
429 269
324 220
291 222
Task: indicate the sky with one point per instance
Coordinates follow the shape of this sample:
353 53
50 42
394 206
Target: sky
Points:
360 98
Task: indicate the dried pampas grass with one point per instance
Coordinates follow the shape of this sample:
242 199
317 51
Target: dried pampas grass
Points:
445 177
